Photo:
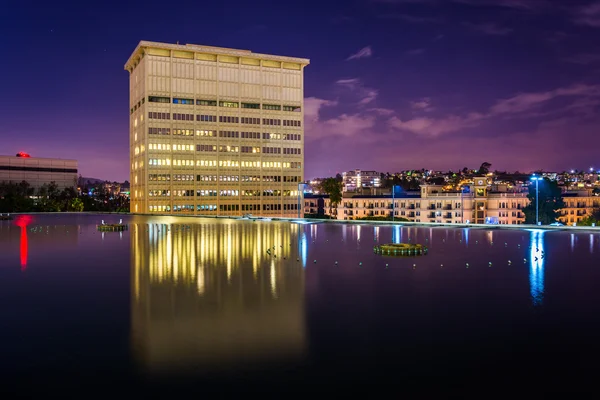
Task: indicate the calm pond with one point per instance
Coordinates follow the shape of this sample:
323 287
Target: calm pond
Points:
191 304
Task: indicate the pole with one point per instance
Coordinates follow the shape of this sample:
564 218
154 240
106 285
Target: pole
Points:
537 202
299 200
393 199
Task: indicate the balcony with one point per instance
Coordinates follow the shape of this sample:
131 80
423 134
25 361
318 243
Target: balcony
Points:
411 207
448 215
431 215
431 207
448 207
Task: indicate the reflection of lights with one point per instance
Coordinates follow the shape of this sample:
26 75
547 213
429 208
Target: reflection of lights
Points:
200 280
313 232
396 234
357 232
22 222
572 242
536 268
490 236
466 230
591 243
344 232
376 233
304 249
273 280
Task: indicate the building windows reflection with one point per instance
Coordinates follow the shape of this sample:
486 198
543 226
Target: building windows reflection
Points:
536 266
210 295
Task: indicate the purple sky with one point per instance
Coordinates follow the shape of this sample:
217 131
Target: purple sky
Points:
392 85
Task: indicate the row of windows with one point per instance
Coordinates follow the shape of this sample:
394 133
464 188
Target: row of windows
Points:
163 162
167 147
250 149
224 178
159 131
206 147
183 132
183 117
206 118
292 151
229 149
250 135
271 150
249 120
228 134
213 103
138 105
221 193
224 119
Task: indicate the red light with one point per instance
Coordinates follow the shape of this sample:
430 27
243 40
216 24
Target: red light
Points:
22 222
23 154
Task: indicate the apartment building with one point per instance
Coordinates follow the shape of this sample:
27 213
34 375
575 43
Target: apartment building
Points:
215 131
38 171
478 205
481 204
578 205
358 179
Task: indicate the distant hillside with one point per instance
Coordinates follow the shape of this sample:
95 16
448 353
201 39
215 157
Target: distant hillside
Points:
91 181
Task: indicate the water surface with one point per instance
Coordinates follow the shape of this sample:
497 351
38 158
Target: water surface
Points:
174 303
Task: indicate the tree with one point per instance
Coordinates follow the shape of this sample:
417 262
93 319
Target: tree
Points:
550 202
484 169
593 218
333 188
75 204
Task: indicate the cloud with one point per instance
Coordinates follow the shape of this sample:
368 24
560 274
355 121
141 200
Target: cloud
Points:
366 95
382 111
587 99
438 37
583 58
365 52
588 15
436 126
350 83
415 52
527 101
369 97
526 5
345 124
422 105
522 5
489 28
412 19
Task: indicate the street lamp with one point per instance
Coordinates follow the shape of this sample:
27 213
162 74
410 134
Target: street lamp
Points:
393 200
537 180
299 202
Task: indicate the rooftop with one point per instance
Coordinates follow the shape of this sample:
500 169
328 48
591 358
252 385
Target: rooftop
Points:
210 50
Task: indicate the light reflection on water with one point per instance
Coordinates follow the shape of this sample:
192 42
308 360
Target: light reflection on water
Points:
536 266
206 293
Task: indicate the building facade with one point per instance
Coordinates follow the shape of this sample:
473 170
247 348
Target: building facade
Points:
38 171
358 179
215 131
479 204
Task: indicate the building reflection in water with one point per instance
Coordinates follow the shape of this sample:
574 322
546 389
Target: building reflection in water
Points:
536 266
210 296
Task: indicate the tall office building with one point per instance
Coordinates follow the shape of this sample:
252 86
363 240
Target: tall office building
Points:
215 131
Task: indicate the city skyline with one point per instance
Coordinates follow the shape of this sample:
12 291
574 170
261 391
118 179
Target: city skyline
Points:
393 84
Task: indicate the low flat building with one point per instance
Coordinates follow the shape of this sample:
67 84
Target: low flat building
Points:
38 171
480 203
